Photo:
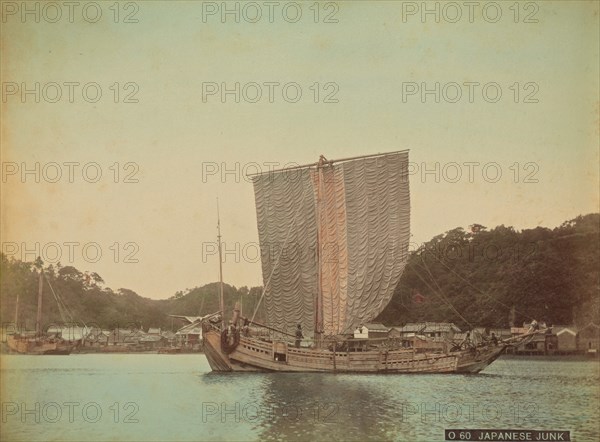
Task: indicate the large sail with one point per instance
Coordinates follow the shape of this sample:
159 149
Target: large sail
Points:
358 213
287 231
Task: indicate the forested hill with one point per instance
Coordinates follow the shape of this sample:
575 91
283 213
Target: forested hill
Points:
477 277
467 277
90 301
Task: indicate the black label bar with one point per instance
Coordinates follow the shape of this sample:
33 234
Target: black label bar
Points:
507 435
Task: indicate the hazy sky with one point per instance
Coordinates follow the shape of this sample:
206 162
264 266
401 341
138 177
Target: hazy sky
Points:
182 133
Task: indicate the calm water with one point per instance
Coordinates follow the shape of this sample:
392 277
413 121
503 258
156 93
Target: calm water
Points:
150 397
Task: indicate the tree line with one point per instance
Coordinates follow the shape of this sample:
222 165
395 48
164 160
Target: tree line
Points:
92 303
499 277
486 277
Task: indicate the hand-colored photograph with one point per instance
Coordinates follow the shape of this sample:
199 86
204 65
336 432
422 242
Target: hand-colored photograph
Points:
300 221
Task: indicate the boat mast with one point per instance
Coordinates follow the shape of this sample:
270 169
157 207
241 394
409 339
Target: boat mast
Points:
221 299
318 251
17 312
38 319
319 298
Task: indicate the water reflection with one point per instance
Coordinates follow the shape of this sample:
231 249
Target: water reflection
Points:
309 406
514 394
291 406
179 399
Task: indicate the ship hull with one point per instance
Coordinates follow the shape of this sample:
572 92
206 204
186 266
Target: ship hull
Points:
33 346
256 355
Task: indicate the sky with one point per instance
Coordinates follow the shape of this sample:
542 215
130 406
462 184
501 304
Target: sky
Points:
122 123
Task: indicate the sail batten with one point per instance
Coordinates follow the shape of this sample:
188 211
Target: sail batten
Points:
356 215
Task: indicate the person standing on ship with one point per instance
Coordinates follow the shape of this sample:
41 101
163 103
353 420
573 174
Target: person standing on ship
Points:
299 336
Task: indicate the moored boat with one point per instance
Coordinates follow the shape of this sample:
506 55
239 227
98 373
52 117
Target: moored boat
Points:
37 343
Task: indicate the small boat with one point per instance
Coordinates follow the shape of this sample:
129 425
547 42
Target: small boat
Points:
334 239
38 344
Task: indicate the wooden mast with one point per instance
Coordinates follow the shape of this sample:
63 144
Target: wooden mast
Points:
17 312
318 257
319 296
221 299
38 319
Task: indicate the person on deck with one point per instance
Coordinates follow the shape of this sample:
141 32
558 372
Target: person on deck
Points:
534 326
299 335
494 339
466 342
230 333
246 328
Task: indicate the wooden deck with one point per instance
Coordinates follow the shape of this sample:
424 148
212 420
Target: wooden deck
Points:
260 355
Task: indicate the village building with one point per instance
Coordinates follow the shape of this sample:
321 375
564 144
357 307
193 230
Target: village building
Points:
558 339
443 331
535 346
566 339
408 329
134 336
169 337
125 337
409 335
71 333
97 338
371 331
426 336
151 342
189 337
588 339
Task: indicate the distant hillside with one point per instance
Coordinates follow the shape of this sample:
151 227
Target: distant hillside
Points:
91 302
474 277
479 276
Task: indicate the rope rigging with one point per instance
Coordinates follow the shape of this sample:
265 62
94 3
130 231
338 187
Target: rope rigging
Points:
440 293
63 309
477 289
